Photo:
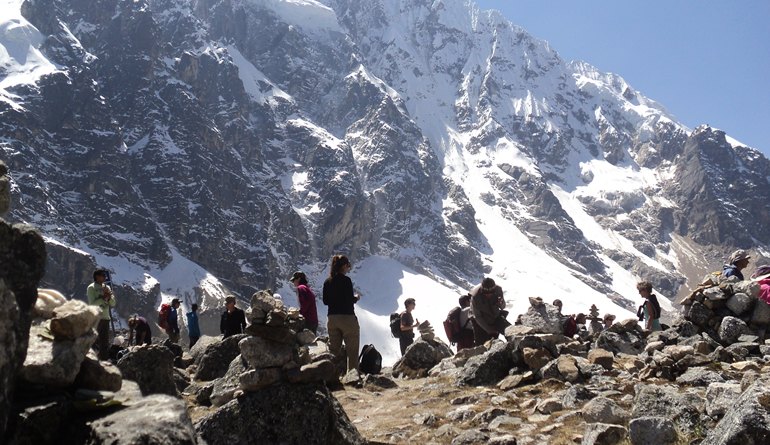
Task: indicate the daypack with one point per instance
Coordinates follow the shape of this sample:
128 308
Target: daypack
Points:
452 325
163 313
395 325
570 327
370 360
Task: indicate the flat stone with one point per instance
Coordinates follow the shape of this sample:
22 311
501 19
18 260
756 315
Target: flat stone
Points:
54 363
256 379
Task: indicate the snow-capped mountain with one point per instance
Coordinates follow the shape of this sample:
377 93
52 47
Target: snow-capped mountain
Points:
200 148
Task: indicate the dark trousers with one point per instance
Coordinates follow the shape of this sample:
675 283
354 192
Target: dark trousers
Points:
193 340
480 336
103 332
404 341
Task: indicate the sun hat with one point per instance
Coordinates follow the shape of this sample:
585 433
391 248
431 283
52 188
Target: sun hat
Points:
761 273
738 255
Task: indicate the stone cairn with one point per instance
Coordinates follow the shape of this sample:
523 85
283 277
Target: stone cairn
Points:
596 321
426 331
276 348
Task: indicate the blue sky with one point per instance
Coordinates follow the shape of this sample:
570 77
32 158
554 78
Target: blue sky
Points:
707 61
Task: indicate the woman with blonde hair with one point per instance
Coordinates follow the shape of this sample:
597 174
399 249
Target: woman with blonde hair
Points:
342 322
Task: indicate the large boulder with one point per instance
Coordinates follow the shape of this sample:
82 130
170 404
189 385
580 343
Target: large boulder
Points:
216 358
748 421
301 414
720 397
98 375
152 367
488 368
73 319
225 387
740 303
731 329
666 401
422 354
54 362
157 419
652 431
604 410
542 317
197 351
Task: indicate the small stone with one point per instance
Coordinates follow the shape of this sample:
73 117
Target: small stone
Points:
652 431
604 410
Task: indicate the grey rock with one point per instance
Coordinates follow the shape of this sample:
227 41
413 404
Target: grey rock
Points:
575 395
42 424
424 419
627 342
549 405
666 401
488 368
278 334
261 353
568 368
460 414
264 301
603 434
601 357
200 392
73 319
285 414
731 329
700 377
11 354
320 371
749 287
54 363
157 419
700 315
761 314
422 354
652 431
377 381
98 375
507 439
740 303
720 397
472 437
5 189
152 367
604 410
197 351
543 318
224 388
536 358
256 379
217 356
305 337
747 422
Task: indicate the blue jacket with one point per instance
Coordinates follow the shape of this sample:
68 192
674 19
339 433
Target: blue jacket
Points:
192 325
173 320
730 270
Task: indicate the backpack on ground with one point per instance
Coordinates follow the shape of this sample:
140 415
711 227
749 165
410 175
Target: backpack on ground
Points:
452 325
395 324
163 313
370 360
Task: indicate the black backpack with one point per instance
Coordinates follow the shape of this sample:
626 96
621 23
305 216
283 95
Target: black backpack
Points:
370 360
395 325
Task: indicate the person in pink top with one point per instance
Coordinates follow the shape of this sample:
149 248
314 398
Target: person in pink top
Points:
306 300
762 276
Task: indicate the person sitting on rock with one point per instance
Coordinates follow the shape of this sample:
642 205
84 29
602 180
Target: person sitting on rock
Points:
487 314
193 330
737 262
99 294
650 309
142 328
233 319
608 320
306 297
408 323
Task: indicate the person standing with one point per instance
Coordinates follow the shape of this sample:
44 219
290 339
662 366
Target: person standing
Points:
173 321
487 314
193 330
650 308
233 320
341 320
99 294
306 299
408 323
142 328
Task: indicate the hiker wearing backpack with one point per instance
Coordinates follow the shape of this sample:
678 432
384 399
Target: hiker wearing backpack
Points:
650 309
193 330
170 316
457 324
408 323
233 319
738 261
341 320
487 314
99 294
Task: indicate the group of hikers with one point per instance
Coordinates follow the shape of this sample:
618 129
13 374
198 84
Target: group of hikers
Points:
480 316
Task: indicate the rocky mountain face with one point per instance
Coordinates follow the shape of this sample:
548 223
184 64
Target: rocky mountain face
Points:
244 138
